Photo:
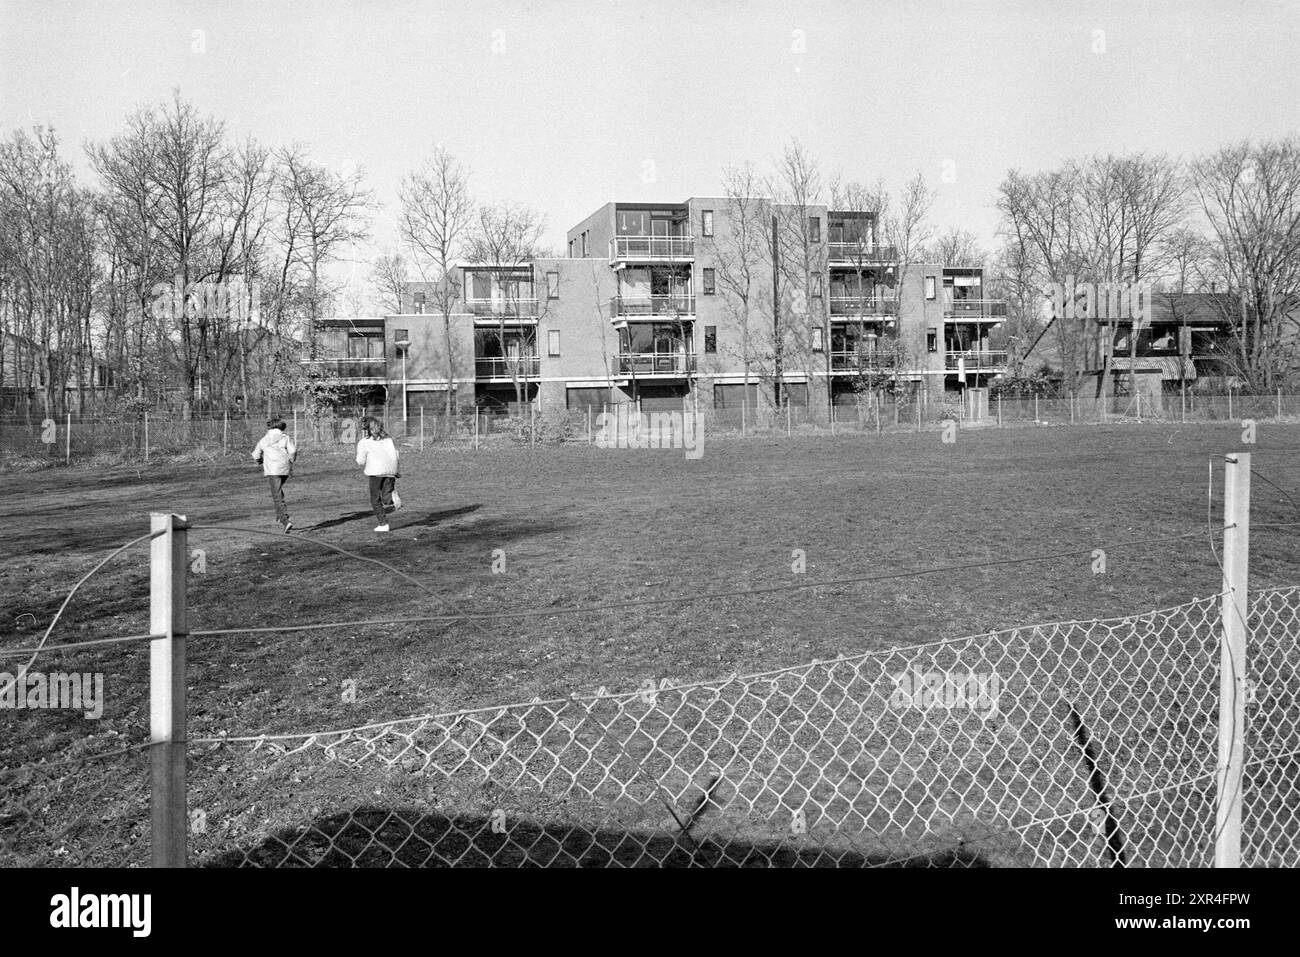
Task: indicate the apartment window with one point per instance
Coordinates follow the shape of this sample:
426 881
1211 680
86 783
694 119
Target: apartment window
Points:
932 340
706 227
819 344
814 229
710 338
552 285
929 287
419 303
553 342
710 281
817 285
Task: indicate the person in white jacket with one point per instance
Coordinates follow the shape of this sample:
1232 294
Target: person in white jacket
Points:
378 454
276 452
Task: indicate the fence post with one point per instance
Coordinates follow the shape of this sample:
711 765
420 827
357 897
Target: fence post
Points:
832 418
168 624
67 441
918 412
1035 408
1279 403
225 432
588 424
1229 402
787 418
476 414
999 411
532 425
146 437
1235 607
742 417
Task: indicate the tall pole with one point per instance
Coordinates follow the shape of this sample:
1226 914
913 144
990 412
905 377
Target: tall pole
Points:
1235 606
404 406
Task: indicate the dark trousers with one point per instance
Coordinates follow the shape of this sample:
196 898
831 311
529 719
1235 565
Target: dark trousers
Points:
381 495
277 497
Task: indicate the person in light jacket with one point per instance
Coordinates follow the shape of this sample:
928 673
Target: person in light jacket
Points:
378 454
276 453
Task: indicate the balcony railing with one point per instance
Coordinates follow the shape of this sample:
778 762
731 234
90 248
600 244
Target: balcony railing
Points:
651 248
855 307
633 306
495 308
976 361
863 361
864 253
974 309
506 367
347 368
655 363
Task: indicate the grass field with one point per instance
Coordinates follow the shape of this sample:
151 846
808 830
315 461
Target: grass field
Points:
582 526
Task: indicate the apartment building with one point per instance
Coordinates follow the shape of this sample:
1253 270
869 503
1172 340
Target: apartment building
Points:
727 301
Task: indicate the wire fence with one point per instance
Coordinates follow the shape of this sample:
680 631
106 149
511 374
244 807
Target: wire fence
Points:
1081 743
140 438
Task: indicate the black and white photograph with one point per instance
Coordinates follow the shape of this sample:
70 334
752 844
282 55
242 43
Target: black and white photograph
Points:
648 435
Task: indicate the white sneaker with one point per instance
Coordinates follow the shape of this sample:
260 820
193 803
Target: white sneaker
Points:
381 528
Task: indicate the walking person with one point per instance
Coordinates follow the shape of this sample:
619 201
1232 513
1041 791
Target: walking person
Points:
276 453
378 454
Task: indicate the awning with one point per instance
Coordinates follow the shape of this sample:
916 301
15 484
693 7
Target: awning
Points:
1171 368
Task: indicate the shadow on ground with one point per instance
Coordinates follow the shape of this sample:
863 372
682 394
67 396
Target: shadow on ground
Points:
433 518
406 837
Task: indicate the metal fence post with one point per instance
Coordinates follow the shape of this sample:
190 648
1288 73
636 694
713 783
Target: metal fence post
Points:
742 417
146 437
225 432
1232 660
1279 403
787 418
168 624
67 441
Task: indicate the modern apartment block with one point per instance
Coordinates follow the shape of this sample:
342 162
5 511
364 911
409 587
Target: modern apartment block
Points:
728 301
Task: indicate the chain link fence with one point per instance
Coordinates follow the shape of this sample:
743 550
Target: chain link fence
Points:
34 441
1085 743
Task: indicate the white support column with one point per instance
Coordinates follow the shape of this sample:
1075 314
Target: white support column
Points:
168 624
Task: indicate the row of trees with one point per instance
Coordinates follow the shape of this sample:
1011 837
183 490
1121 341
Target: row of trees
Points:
1227 222
194 270
190 268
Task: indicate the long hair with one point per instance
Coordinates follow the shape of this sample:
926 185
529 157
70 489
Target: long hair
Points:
378 432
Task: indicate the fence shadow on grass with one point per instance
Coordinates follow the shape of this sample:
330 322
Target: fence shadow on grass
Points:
432 518
407 837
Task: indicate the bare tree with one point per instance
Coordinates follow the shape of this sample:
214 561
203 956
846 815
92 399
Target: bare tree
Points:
1251 196
742 243
436 214
505 237
328 212
389 275
796 188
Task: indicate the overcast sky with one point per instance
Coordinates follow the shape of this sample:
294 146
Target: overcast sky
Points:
567 105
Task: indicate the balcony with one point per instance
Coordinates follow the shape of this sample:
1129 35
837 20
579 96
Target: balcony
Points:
851 362
509 368
860 254
634 307
853 307
369 369
976 361
502 308
655 363
651 249
975 310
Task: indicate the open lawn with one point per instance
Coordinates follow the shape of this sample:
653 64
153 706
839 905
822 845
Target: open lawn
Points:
582 526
